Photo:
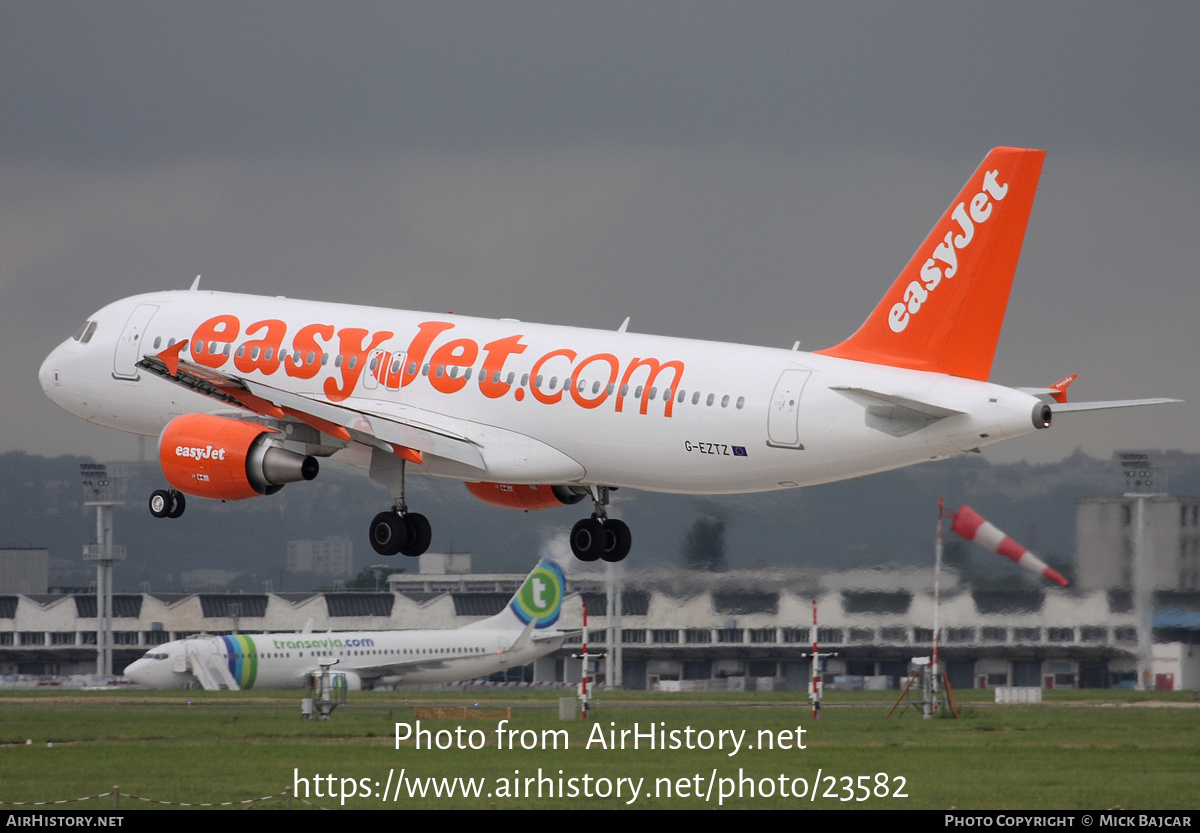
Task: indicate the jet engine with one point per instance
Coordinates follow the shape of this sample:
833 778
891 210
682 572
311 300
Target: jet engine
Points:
228 459
527 497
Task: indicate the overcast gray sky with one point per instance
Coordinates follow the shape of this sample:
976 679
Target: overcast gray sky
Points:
752 172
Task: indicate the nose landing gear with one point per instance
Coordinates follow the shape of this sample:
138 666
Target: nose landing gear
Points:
601 537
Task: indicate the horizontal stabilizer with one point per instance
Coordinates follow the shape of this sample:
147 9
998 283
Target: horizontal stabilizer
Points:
1068 407
894 414
926 409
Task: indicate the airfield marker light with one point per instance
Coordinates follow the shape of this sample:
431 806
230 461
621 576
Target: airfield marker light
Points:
932 680
583 677
816 689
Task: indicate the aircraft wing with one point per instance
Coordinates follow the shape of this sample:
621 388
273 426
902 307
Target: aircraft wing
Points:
408 433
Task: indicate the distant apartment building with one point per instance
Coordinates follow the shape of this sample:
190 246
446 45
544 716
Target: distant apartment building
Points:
24 570
1105 528
332 556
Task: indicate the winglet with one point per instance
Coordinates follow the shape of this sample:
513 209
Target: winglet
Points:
1060 388
170 356
944 311
195 284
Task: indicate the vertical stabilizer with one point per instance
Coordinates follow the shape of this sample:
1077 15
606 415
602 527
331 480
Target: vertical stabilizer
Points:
943 314
539 600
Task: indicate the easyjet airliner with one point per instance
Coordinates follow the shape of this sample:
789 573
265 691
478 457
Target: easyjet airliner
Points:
246 393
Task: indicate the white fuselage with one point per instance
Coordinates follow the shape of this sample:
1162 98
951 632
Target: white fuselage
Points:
287 660
740 418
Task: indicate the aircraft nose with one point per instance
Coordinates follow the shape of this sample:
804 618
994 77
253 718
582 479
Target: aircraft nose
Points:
136 671
65 381
49 374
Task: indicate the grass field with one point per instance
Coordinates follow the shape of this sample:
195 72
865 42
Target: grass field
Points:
1079 750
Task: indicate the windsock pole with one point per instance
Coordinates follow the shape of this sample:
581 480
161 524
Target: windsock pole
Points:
970 524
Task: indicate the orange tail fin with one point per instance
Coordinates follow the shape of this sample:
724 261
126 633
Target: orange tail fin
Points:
943 313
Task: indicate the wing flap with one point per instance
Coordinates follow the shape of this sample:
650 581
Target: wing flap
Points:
343 423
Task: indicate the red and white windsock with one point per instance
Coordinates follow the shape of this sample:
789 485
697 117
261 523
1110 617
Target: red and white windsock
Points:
970 524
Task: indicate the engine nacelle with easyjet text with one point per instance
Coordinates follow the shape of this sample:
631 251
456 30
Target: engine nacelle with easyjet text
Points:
527 497
228 459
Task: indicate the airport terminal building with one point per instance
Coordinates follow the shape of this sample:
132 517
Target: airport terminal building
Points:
736 630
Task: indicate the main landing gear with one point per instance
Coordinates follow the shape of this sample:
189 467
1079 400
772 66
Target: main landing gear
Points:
167 503
398 530
601 536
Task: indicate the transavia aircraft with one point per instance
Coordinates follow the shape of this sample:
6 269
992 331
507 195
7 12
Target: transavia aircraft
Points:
246 393
516 636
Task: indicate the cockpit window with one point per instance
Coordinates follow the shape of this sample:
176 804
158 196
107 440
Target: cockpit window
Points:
85 332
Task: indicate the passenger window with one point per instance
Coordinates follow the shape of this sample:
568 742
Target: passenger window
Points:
741 401
157 341
412 368
695 397
511 376
711 397
725 401
682 396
